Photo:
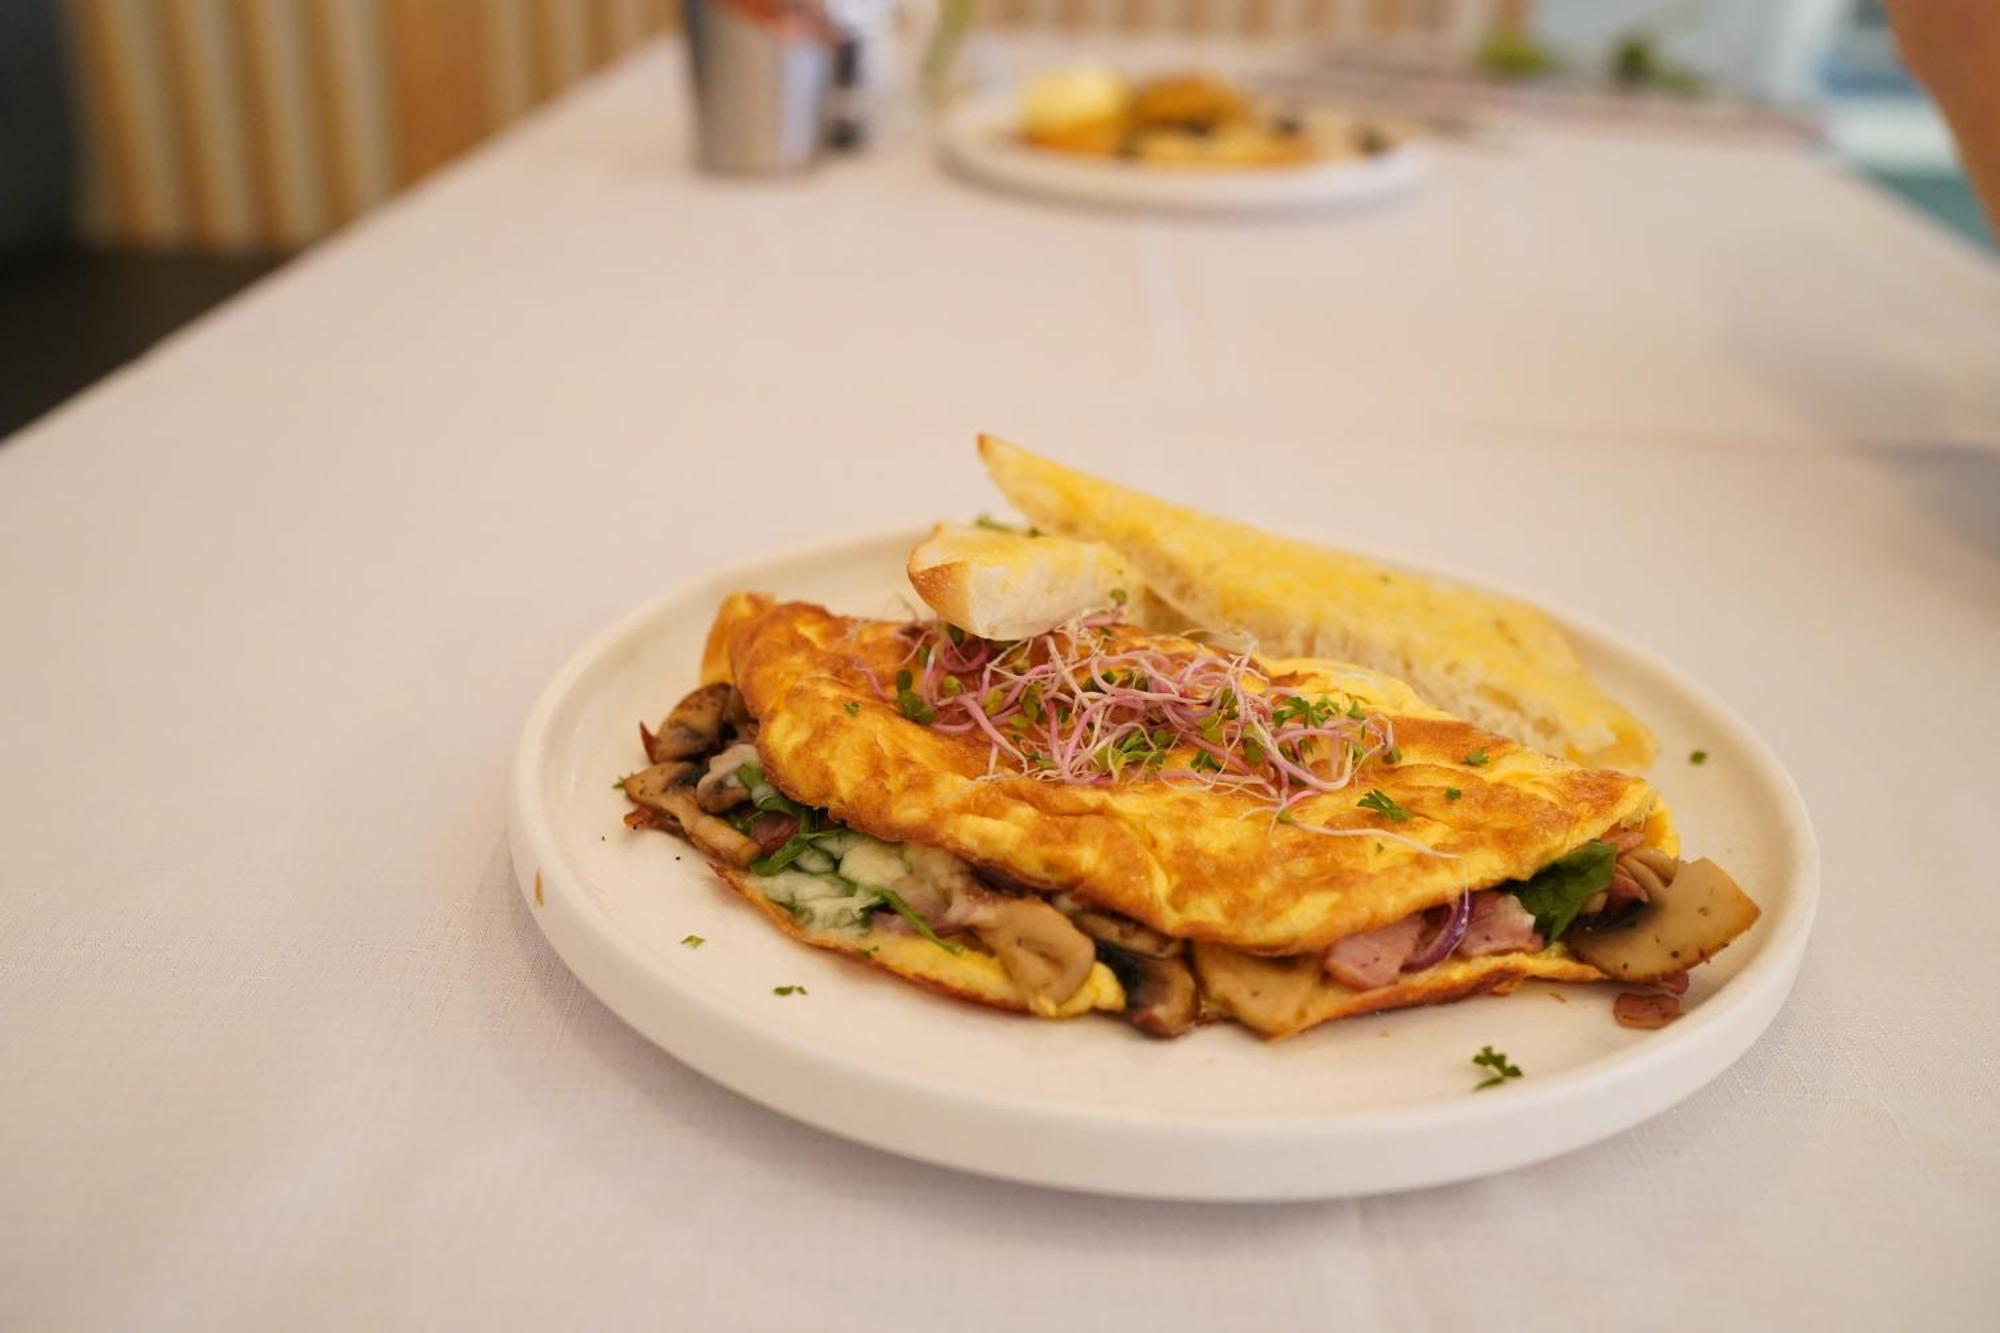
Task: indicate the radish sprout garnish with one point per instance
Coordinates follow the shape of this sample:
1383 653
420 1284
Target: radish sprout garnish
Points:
1079 706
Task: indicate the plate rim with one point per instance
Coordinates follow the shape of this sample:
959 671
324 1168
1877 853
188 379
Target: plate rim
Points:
607 960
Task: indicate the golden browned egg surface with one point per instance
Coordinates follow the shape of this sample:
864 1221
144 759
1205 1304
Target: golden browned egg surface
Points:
1187 860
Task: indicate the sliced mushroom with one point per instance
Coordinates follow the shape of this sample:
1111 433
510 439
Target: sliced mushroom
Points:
1688 922
1046 956
695 725
1267 995
675 800
1649 879
648 787
1160 995
1122 932
720 788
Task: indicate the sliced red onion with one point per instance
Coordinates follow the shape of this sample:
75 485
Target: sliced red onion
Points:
1439 946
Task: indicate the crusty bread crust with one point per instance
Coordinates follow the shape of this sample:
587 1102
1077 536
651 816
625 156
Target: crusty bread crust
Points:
1496 662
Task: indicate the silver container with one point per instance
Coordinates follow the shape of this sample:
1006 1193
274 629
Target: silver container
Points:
760 78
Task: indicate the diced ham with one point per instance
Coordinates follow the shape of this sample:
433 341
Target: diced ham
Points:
1374 958
1674 983
1499 925
1645 1009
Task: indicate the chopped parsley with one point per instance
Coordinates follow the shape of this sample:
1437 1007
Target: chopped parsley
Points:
1698 757
853 708
1477 759
693 941
788 990
1488 1058
1383 804
1393 755
1452 793
1558 891
1118 596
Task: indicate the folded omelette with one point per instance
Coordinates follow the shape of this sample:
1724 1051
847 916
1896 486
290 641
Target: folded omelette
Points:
1102 818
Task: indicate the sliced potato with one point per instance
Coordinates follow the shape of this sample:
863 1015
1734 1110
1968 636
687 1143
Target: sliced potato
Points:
1693 919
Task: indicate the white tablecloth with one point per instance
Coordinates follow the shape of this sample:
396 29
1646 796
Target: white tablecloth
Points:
282 1048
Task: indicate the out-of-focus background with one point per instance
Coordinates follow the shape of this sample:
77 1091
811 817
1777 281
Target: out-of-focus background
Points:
157 155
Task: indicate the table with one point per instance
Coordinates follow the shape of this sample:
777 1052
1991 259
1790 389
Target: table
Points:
283 1048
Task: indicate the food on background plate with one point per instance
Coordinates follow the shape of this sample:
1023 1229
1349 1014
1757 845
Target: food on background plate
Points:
1495 661
1184 120
1099 817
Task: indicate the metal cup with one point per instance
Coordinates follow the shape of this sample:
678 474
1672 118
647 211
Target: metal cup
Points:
760 78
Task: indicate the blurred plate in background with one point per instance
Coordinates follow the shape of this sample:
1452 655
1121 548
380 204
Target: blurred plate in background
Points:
981 140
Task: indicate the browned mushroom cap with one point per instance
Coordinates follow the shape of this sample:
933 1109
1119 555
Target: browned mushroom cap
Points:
648 787
663 790
695 725
1043 953
1160 995
720 788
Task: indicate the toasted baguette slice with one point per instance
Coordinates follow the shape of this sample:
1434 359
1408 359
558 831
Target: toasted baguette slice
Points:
1009 585
1498 663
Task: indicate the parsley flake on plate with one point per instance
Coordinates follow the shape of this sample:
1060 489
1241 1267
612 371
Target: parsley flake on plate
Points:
1488 1058
788 990
693 941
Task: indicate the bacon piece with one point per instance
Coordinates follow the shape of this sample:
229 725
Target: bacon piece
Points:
1645 1009
1499 925
1674 983
1376 957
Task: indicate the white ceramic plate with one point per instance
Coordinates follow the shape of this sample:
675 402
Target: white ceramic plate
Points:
1354 1107
979 140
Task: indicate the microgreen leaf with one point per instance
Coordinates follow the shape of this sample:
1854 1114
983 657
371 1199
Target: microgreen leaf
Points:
1558 891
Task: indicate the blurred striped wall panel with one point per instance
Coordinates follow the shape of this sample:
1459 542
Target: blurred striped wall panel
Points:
227 124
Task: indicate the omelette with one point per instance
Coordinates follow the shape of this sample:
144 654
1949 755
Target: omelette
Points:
1103 818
